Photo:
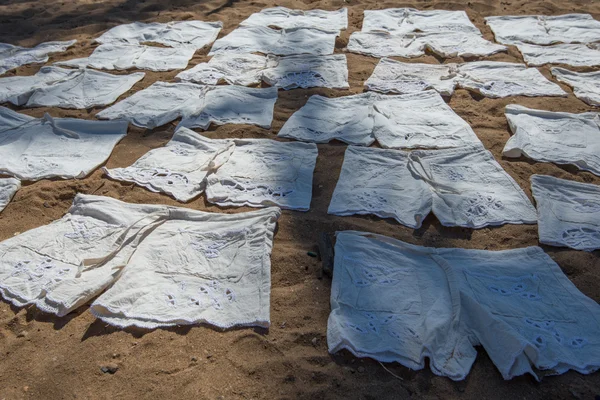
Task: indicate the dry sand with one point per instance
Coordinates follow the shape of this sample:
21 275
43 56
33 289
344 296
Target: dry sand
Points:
42 356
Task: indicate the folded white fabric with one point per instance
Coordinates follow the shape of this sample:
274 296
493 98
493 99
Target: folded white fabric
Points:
558 137
586 85
42 148
285 18
117 56
8 188
578 55
199 105
397 302
285 42
163 266
416 120
66 88
568 212
489 78
410 20
14 56
193 34
545 30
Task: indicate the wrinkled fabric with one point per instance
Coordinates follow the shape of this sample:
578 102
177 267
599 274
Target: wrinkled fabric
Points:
586 85
557 137
577 55
193 34
397 302
14 56
235 69
66 88
410 20
544 29
568 212
160 266
284 42
115 56
42 148
285 18
8 188
489 78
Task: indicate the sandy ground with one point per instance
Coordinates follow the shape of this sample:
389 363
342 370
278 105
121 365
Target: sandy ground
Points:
42 356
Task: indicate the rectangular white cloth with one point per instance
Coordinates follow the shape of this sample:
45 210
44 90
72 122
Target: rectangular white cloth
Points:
193 34
117 56
586 85
568 212
397 302
578 55
284 42
8 188
42 148
235 69
489 78
286 18
160 266
14 56
66 88
544 29
557 137
410 20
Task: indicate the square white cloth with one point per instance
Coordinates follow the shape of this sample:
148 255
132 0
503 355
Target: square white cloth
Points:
163 266
285 18
8 188
66 88
410 20
398 302
42 148
193 34
544 29
578 55
558 137
284 42
14 56
568 212
586 85
118 56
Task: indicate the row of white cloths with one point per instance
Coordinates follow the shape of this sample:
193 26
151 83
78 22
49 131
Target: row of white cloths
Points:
397 302
145 265
233 172
406 32
12 56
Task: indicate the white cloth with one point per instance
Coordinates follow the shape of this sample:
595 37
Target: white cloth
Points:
118 56
285 42
193 34
568 212
235 69
545 30
586 85
14 56
489 78
557 137
66 88
42 148
285 18
163 266
199 105
397 302
578 55
8 188
416 120
410 20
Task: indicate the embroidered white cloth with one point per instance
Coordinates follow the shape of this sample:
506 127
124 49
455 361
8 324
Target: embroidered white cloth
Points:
235 69
397 302
586 85
416 120
117 56
199 105
8 188
42 148
284 42
193 34
66 88
545 30
558 137
410 20
14 56
578 55
285 18
489 78
163 266
568 212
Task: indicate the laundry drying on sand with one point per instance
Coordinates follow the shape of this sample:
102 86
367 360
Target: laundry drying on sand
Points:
586 85
285 18
8 188
577 55
12 56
